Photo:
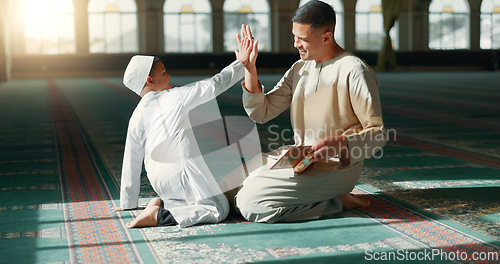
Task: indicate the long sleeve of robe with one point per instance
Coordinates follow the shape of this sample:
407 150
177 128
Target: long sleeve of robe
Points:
160 134
336 97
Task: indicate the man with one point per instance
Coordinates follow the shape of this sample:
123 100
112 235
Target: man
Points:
160 134
334 108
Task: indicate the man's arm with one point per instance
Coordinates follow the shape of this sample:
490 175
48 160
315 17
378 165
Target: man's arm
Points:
251 83
365 102
246 54
262 107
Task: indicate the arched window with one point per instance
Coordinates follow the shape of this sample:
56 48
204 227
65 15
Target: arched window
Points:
490 24
254 13
49 27
339 12
370 26
113 26
187 26
449 24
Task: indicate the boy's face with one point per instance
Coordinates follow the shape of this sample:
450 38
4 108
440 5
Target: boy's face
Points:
160 77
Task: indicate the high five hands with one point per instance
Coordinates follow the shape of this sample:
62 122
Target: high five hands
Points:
247 47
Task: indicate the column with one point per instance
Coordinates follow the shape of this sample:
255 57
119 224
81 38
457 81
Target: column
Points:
81 26
414 25
281 25
217 26
3 48
405 26
349 25
475 24
150 26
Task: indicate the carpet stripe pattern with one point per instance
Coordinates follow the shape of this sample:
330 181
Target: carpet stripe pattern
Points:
96 234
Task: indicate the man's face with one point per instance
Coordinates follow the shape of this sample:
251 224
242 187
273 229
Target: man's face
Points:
309 42
160 77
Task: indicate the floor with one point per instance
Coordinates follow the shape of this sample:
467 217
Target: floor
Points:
435 188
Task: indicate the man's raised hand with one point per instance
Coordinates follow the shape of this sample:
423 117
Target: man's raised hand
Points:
247 47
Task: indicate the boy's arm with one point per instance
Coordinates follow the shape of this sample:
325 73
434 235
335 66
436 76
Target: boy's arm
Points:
202 91
131 173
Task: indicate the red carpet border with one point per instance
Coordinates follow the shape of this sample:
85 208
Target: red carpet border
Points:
423 230
95 233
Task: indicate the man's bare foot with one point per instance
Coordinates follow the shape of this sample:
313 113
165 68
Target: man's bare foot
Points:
148 217
350 201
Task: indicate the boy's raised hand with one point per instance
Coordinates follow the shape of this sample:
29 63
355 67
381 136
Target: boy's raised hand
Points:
247 47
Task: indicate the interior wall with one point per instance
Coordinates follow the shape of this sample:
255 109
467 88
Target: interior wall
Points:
413 54
4 70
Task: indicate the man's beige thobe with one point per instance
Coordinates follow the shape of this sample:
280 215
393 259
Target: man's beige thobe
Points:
336 97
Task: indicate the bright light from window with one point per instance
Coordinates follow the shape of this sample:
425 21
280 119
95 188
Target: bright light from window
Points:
49 26
113 26
236 13
188 26
448 24
38 13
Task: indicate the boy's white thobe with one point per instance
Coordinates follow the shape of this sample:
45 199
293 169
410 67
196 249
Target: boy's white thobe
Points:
160 134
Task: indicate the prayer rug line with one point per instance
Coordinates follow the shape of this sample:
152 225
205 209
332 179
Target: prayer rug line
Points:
426 228
85 195
448 151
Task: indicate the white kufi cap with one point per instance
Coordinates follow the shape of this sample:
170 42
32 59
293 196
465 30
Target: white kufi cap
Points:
137 72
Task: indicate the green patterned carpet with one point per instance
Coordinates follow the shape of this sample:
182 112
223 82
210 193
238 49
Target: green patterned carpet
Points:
435 190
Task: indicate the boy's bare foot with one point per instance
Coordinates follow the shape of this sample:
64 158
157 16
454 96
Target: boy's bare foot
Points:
350 201
148 217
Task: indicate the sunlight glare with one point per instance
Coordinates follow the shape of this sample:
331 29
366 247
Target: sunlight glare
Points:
40 15
39 12
47 25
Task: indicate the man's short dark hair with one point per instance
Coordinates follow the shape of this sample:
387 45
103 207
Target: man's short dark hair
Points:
316 14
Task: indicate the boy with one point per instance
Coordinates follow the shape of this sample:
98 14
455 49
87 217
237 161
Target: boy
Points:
160 134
